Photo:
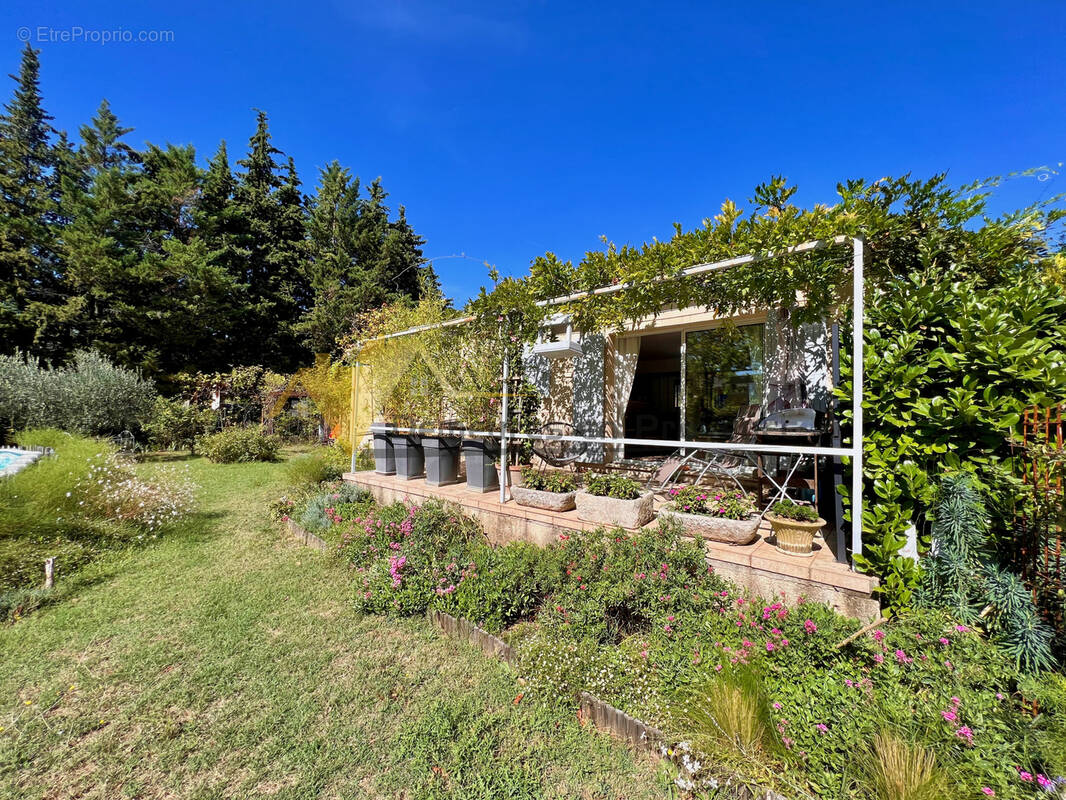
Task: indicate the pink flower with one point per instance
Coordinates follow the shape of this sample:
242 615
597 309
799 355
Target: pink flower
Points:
949 715
769 647
961 628
956 702
964 732
944 641
989 791
809 626
879 636
1025 776
777 706
878 658
1043 781
822 728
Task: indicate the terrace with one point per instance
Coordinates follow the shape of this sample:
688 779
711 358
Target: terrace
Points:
604 402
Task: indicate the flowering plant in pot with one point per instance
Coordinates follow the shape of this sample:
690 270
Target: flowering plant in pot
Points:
477 365
614 500
550 490
794 527
728 516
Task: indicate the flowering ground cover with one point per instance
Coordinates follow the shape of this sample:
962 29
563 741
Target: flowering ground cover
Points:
639 620
224 660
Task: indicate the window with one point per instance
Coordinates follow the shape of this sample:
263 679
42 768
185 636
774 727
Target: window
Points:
723 373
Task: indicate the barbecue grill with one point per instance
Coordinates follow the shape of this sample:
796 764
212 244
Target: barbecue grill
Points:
802 426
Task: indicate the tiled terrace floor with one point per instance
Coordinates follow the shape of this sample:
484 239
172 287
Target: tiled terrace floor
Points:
759 566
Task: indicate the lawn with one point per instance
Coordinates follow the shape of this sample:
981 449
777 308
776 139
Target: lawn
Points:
225 661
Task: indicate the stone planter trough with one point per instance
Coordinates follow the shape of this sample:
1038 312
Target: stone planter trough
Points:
549 501
716 529
612 511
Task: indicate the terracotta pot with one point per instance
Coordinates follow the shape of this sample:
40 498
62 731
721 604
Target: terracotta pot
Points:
716 529
793 536
514 476
612 511
549 501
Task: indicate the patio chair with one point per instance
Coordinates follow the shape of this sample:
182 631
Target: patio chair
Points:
731 466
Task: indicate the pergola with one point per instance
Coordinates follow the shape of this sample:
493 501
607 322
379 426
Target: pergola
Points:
852 452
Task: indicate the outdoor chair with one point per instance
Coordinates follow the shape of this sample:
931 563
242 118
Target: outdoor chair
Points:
696 465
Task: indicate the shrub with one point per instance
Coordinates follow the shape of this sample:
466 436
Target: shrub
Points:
174 425
961 576
326 464
296 428
699 500
794 511
334 505
497 587
552 481
89 396
613 485
236 444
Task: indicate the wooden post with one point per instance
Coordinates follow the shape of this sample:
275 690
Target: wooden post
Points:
49 573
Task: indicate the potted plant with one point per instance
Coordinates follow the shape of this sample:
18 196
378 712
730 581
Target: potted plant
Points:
551 491
614 500
476 375
794 527
719 516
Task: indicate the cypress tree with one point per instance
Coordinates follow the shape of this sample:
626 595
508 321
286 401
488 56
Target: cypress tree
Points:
28 268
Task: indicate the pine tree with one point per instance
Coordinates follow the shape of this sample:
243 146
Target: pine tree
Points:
28 268
333 266
270 217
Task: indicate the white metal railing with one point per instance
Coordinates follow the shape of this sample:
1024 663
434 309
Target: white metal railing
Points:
679 444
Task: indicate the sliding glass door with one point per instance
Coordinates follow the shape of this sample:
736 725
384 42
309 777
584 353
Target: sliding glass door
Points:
723 372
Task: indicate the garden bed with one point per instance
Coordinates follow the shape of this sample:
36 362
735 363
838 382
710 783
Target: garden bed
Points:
638 620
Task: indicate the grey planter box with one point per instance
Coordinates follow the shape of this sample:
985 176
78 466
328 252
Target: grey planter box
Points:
384 456
410 459
481 473
549 501
716 529
612 511
442 460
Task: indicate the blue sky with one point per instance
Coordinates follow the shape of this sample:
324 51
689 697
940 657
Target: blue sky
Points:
512 128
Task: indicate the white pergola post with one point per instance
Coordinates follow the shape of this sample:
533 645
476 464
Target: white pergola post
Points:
858 307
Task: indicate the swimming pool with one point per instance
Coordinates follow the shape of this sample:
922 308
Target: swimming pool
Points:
11 461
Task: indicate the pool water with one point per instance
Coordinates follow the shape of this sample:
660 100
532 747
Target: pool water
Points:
7 457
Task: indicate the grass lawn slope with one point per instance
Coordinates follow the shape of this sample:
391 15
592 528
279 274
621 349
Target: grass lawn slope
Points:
224 661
